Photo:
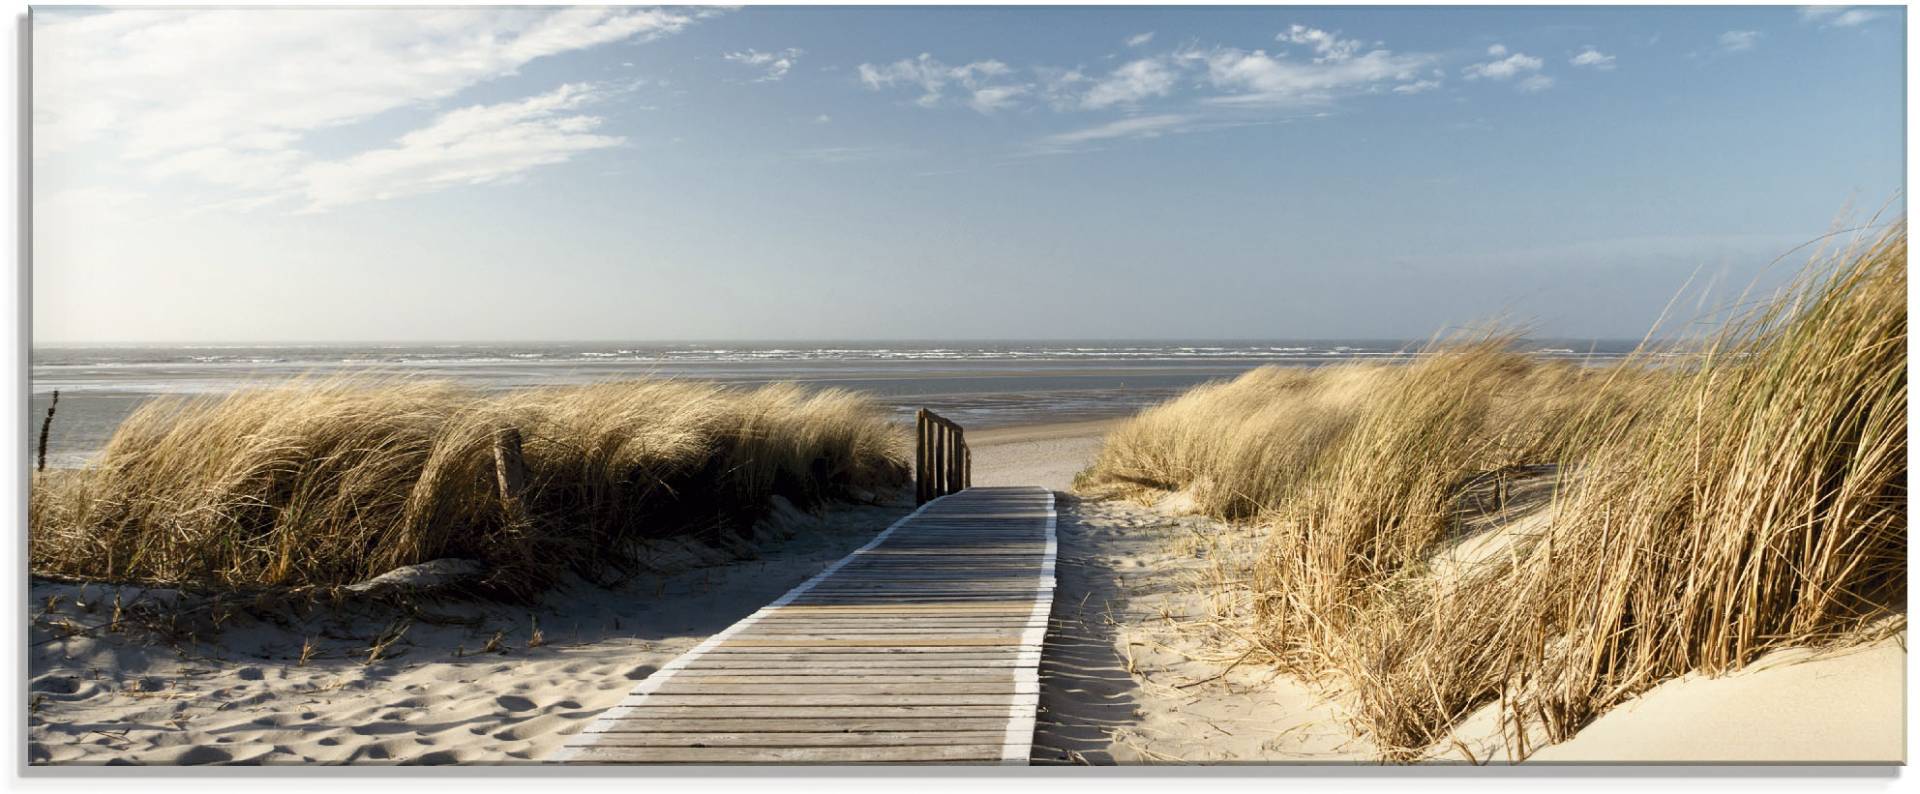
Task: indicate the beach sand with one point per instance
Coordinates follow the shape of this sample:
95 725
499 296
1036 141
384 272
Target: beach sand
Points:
1123 679
1127 677
1044 455
1797 705
240 694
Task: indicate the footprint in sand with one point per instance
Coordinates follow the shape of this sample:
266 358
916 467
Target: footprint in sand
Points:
514 703
203 754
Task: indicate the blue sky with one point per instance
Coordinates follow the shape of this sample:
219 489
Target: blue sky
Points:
837 173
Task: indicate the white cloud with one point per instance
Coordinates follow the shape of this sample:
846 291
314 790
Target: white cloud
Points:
1739 40
993 98
837 155
1131 83
1503 68
823 119
1837 16
1534 84
1062 88
470 146
1593 58
231 97
982 80
775 65
1416 87
1327 47
164 81
1131 127
1140 40
1256 78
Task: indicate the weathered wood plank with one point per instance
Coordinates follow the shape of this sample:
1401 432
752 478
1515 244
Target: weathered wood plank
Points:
728 681
691 677
922 646
1002 701
802 739
944 754
789 692
787 725
648 711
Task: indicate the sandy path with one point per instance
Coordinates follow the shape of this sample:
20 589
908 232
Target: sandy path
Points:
1125 678
1121 682
1044 455
437 696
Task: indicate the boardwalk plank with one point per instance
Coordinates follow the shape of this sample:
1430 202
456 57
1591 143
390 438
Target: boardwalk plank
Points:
922 647
942 754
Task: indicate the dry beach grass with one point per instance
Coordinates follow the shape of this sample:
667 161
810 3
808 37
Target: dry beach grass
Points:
1699 516
331 482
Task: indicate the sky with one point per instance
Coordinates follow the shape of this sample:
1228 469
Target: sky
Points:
772 173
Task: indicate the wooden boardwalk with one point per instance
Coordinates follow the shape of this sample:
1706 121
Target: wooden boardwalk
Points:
921 647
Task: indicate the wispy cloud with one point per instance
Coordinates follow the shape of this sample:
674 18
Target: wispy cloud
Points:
1503 68
470 146
1594 59
1739 40
773 65
1140 39
1131 83
1837 16
988 99
1131 127
934 78
1257 78
230 97
1327 47
835 155
1333 66
1534 84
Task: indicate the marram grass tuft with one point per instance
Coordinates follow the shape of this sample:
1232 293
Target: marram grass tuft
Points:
329 482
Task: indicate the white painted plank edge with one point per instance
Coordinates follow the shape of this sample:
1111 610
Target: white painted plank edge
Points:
1018 746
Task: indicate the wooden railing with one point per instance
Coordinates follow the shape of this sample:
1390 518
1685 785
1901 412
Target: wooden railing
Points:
942 462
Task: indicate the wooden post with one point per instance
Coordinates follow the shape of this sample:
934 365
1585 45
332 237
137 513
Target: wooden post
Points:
45 427
939 454
920 457
943 464
510 468
966 463
953 461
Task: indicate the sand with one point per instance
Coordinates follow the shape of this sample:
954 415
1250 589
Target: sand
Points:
239 694
1124 678
1044 455
1797 705
1127 678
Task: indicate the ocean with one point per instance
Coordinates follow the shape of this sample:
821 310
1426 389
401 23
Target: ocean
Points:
977 384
